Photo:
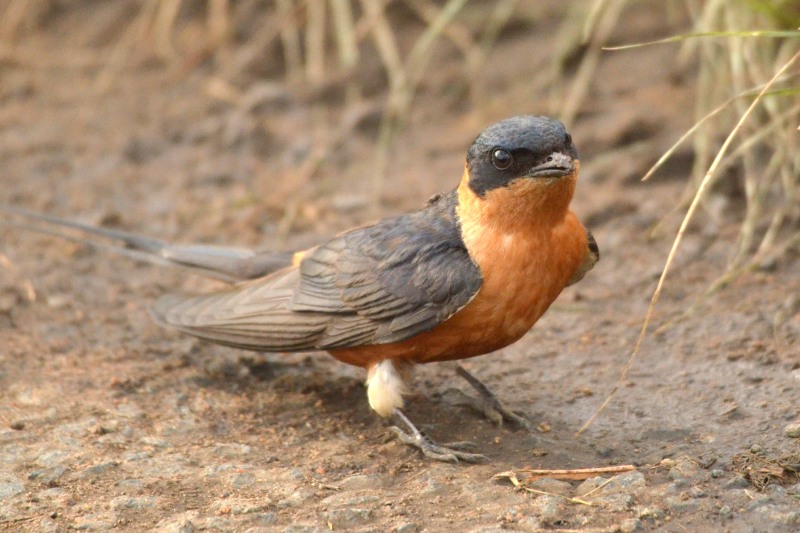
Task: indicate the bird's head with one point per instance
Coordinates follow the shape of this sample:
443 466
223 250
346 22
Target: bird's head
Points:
528 157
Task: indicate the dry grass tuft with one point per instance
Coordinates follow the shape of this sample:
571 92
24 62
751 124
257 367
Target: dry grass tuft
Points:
759 127
762 471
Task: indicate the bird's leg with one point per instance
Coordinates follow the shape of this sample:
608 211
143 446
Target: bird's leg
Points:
489 404
452 452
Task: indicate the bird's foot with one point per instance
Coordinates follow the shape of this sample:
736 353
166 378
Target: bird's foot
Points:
452 452
489 404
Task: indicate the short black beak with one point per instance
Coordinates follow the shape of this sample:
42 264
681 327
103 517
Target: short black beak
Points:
557 165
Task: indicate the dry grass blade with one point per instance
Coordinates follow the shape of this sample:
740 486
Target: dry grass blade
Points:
511 476
577 473
579 87
679 38
679 237
290 39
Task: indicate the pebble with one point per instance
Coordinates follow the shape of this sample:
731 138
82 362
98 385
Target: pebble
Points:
54 458
408 527
347 518
93 522
96 470
180 523
304 528
264 519
792 430
650 513
10 486
629 525
553 486
548 509
725 512
237 506
685 471
47 476
362 482
737 482
122 503
344 499
232 451
296 499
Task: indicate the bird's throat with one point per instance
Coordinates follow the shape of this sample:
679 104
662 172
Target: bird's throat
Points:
525 204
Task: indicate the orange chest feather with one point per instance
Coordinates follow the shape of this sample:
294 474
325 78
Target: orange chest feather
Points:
523 273
524 267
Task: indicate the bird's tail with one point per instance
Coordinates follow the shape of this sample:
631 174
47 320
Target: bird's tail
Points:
227 264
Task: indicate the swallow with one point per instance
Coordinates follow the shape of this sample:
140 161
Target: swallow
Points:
466 275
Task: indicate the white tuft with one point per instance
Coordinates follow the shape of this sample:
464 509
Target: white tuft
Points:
385 388
508 240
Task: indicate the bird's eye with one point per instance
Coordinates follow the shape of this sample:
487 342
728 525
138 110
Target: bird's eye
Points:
567 140
501 159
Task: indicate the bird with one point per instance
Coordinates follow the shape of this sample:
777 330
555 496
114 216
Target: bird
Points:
466 275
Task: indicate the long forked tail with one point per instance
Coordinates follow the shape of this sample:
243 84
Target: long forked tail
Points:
224 263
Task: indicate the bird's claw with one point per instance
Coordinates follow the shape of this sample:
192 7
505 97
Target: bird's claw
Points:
450 453
491 408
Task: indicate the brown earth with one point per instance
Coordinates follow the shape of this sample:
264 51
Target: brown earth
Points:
108 422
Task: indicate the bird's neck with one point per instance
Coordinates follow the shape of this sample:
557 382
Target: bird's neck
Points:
525 205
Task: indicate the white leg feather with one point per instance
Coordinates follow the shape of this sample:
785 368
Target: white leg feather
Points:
386 385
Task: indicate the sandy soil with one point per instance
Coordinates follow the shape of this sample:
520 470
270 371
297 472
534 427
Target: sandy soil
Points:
108 422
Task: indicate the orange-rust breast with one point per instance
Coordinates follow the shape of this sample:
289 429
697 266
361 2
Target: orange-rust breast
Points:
527 245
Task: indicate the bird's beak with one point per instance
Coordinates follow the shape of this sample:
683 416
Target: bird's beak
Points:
557 165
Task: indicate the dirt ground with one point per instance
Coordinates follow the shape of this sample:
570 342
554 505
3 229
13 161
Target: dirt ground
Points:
108 422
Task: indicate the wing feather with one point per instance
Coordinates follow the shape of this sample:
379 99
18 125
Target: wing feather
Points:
379 284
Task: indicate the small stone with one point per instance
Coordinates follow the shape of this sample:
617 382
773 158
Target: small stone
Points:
180 523
589 485
650 512
697 492
717 473
304 528
684 471
237 506
347 518
406 528
48 476
264 519
630 525
96 470
553 486
792 430
548 509
362 482
10 486
756 448
123 503
725 512
98 522
738 482
296 499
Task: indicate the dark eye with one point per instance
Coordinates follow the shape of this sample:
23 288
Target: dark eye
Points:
567 140
501 159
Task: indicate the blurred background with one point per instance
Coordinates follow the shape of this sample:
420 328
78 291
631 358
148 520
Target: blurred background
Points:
291 116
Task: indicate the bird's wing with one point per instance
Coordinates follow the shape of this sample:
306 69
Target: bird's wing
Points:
374 285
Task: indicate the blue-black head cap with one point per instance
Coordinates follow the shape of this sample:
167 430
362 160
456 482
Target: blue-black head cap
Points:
525 146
